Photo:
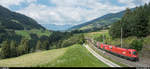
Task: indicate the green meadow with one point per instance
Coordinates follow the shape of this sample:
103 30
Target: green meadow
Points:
76 56
73 56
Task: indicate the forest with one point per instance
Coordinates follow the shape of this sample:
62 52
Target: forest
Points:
15 45
134 23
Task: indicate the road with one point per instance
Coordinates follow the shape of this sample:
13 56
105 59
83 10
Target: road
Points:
106 61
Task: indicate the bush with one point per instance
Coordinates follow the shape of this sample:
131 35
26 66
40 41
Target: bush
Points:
76 39
137 45
5 51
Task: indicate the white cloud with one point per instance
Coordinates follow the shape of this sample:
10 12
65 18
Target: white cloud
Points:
41 13
8 3
30 1
133 3
69 11
146 1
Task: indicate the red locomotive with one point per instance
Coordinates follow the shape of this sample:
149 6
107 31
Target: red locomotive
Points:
130 54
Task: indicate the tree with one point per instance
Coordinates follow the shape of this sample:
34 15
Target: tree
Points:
140 26
148 27
5 51
13 49
38 46
32 45
134 23
136 44
45 45
19 50
115 30
125 23
81 39
23 48
26 47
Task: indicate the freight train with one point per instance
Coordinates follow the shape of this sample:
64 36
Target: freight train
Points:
130 54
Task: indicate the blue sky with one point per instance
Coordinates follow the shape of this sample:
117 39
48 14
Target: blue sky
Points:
68 12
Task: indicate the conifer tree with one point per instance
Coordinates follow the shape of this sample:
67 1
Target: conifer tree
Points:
23 48
5 51
13 47
45 45
38 46
134 23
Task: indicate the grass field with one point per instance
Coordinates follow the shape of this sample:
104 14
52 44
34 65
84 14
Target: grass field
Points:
76 56
73 56
26 33
97 34
33 59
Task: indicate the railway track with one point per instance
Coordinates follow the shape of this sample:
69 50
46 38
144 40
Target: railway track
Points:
106 61
116 58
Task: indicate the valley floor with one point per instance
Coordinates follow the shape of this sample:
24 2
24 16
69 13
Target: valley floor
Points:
73 56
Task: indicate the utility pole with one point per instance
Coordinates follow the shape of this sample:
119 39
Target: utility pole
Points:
103 35
121 35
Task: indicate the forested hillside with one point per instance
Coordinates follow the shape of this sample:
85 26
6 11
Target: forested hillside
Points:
12 21
135 30
133 23
16 21
99 23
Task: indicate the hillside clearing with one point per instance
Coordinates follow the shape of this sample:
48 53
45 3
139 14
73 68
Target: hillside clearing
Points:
26 33
76 56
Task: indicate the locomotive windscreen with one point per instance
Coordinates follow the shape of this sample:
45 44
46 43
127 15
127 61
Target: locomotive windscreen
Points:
134 53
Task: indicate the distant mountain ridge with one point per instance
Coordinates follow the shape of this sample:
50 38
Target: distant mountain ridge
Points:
16 21
56 27
99 23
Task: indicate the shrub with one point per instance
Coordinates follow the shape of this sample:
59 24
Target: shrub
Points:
76 39
137 45
100 38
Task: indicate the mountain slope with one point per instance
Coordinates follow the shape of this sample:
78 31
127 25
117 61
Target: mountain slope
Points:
99 23
16 21
12 21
